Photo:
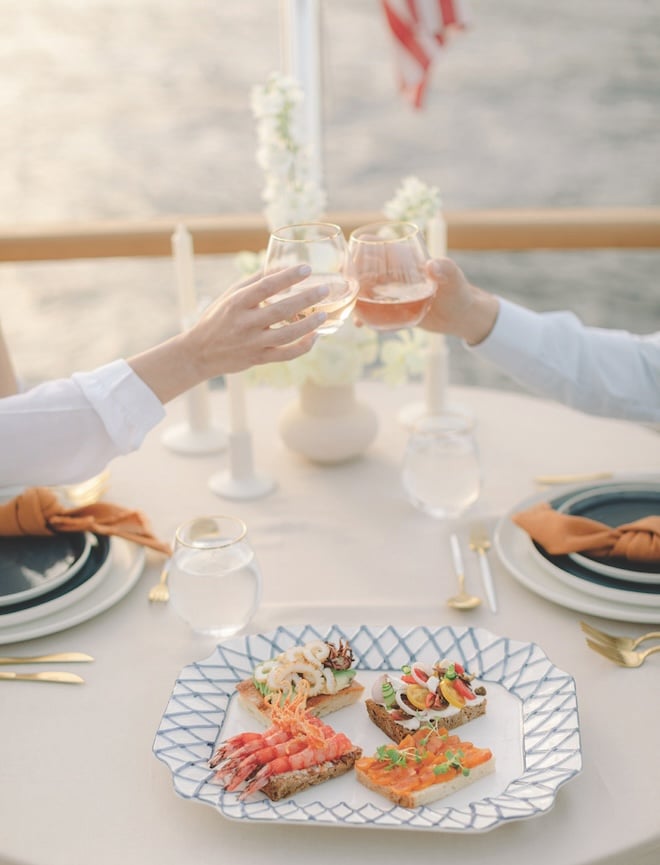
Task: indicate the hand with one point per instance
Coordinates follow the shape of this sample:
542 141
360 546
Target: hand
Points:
459 308
234 333
237 331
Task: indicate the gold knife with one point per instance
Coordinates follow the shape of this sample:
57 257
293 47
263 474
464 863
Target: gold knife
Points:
548 480
66 678
64 657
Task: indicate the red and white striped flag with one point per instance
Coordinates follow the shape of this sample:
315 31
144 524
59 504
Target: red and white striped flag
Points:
420 29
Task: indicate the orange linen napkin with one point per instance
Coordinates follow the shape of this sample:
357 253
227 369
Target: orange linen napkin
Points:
561 533
38 511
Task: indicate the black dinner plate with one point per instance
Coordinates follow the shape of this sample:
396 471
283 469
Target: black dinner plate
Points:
615 506
96 558
612 508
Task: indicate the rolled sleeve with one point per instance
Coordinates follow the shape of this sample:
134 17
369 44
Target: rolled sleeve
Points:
600 371
127 407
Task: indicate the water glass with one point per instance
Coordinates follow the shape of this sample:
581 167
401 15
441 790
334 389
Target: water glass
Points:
322 246
389 260
215 580
441 472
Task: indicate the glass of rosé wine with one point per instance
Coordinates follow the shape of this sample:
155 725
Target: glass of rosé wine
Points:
322 246
389 258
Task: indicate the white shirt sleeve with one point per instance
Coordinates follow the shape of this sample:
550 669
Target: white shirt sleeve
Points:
67 430
599 371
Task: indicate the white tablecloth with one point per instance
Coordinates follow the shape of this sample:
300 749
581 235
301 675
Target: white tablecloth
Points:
79 782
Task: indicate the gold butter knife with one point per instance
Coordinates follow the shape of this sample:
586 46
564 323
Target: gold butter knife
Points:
64 657
66 678
547 480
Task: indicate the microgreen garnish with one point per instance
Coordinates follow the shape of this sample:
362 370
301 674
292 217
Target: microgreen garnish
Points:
454 761
397 757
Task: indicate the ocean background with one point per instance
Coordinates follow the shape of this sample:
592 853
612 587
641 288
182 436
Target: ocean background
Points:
127 109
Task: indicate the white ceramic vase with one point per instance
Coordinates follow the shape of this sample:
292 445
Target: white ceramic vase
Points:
328 424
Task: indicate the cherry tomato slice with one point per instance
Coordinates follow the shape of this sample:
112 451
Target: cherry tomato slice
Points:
462 689
451 695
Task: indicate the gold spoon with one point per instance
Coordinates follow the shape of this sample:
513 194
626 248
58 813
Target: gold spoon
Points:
462 600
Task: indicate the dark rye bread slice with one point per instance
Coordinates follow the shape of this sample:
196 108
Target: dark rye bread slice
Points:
396 731
322 704
288 783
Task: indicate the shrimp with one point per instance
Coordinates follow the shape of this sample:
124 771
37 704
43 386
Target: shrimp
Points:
241 770
246 743
332 748
244 762
231 745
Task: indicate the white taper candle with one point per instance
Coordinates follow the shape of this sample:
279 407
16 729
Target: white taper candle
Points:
182 249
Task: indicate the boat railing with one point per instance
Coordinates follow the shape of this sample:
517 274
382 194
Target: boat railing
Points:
474 230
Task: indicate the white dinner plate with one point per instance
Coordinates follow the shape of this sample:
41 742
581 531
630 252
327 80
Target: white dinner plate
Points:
126 564
33 566
516 550
616 504
592 583
531 726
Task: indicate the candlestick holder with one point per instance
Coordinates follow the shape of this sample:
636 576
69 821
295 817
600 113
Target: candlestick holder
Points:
198 434
239 481
436 384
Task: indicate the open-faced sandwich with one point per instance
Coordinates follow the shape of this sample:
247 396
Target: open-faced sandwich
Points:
297 751
425 766
326 668
425 696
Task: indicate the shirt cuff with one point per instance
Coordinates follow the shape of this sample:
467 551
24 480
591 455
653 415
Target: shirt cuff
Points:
128 408
516 334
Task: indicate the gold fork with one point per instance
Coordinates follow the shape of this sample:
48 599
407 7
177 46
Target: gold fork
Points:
160 591
626 643
622 656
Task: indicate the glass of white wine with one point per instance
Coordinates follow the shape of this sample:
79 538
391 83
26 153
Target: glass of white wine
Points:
389 259
215 579
323 246
441 470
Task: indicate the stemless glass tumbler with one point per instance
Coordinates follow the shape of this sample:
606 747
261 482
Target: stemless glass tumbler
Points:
389 258
215 580
441 473
322 246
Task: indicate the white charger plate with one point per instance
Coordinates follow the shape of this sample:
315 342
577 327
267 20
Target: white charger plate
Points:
126 565
516 551
531 725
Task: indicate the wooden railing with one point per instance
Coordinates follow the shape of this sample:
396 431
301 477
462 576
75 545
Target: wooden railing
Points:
517 229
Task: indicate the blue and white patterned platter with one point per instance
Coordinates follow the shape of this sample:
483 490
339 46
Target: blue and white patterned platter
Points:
531 726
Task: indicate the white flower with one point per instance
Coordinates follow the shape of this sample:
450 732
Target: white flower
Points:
290 195
402 356
414 201
335 359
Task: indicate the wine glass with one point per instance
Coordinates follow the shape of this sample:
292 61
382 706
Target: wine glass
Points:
441 472
322 246
215 579
389 259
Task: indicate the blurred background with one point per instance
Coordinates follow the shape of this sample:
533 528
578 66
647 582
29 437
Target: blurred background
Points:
127 109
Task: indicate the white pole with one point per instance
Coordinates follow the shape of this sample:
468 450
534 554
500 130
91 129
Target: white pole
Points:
300 51
437 365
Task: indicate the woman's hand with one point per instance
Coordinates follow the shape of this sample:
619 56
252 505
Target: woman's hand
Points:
237 331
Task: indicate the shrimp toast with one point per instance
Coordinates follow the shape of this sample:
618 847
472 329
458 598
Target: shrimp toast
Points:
296 752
